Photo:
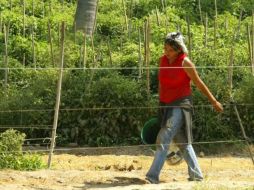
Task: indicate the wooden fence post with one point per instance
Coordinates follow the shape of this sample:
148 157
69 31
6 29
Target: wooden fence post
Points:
147 53
250 48
206 29
253 40
6 31
189 36
51 44
125 15
58 97
200 12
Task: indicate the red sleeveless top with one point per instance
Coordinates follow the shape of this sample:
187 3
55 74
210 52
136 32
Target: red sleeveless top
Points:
174 81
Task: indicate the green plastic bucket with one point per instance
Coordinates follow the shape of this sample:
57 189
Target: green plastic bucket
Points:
150 131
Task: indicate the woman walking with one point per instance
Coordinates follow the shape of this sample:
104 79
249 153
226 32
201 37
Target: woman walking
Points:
176 72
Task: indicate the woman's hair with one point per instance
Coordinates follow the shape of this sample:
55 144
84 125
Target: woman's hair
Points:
176 41
173 44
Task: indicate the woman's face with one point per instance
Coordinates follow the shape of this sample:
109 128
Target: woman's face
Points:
170 52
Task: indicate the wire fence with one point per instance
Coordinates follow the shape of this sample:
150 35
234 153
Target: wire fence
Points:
46 149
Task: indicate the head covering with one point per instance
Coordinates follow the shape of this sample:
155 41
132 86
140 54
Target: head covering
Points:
179 39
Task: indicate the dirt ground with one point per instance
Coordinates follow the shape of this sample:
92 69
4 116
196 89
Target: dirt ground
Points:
125 170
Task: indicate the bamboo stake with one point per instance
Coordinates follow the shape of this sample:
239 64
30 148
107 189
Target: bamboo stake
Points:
109 52
200 11
93 50
206 29
33 47
62 4
226 24
189 36
75 28
24 18
215 24
130 28
84 50
139 55
50 8
1 22
95 23
163 5
243 132
125 15
130 9
24 28
58 97
59 34
51 44
250 48
147 54
6 30
10 1
230 69
215 6
43 9
24 59
81 56
215 33
231 63
157 16
33 7
253 40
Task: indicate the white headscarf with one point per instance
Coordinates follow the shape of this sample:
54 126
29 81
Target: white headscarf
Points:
178 37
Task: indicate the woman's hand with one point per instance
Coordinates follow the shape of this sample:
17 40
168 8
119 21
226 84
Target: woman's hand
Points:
217 106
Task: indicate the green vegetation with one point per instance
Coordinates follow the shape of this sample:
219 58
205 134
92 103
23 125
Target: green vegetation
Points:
11 155
30 86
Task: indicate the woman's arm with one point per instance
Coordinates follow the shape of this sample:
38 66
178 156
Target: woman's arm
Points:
191 71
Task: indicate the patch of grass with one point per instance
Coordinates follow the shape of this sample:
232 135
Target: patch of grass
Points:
11 155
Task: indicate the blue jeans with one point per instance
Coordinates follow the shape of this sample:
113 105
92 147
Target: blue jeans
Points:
173 129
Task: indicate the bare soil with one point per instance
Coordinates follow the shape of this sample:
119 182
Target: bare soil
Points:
125 170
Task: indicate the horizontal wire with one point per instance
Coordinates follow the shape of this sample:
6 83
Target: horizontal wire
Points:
35 139
25 126
126 68
119 147
35 144
115 108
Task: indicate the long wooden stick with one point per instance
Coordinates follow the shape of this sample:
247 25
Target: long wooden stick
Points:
250 47
200 12
109 52
1 22
206 29
215 24
189 36
84 50
33 47
6 29
215 7
158 17
253 40
33 7
139 55
230 68
125 15
215 33
243 132
51 44
24 18
58 97
147 54
10 1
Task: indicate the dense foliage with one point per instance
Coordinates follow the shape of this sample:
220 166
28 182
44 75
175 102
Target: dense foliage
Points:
104 107
11 155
